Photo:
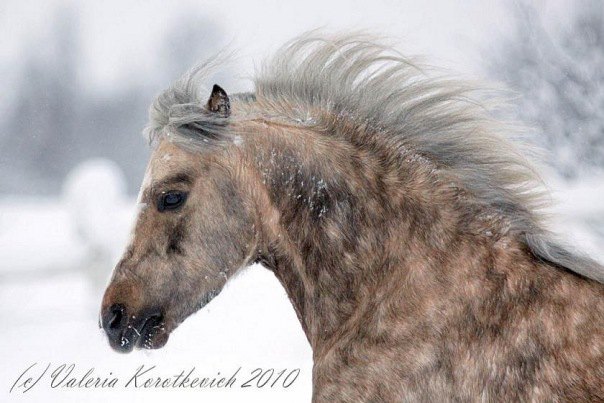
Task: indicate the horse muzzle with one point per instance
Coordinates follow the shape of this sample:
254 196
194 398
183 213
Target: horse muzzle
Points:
126 330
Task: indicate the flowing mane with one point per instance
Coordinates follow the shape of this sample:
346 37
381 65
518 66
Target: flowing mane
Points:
348 84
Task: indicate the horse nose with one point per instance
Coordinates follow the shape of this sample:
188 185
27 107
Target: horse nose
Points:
127 328
113 320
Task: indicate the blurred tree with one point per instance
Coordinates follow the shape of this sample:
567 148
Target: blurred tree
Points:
191 40
39 134
57 121
561 81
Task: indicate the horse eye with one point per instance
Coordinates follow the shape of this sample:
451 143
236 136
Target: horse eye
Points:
171 200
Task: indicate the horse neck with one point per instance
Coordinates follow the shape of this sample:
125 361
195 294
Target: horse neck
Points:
341 229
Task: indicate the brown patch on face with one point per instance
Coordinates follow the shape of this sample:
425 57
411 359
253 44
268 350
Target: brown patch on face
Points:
124 291
176 238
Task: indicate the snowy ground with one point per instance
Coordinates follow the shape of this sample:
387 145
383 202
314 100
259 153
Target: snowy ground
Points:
53 273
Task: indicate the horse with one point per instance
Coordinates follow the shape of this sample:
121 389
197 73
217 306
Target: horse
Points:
402 216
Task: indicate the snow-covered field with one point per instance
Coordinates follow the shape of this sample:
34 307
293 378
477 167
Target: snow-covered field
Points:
57 254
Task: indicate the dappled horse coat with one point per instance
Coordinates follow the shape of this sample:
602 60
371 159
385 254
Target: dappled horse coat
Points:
402 223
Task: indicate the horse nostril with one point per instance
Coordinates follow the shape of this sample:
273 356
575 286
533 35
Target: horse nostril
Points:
116 313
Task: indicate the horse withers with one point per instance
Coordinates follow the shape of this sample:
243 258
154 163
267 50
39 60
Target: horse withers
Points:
403 225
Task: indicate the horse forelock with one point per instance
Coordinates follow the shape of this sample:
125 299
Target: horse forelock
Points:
321 81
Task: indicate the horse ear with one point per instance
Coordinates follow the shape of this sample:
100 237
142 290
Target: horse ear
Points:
219 102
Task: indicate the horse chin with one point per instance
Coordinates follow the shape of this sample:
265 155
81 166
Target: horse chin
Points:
154 341
153 336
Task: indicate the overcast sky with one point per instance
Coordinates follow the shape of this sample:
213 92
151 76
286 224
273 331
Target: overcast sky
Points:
119 40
